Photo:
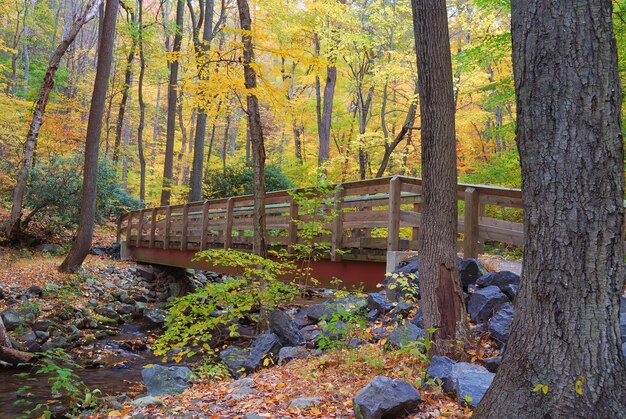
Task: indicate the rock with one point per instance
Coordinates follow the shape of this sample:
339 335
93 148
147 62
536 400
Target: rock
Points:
409 265
34 290
624 349
418 319
492 364
378 301
287 353
166 380
147 401
30 341
336 331
140 298
440 367
405 334
484 302
107 312
460 369
310 315
58 342
403 281
310 332
49 248
325 311
98 251
42 336
622 326
125 298
86 323
128 309
285 328
470 270
266 346
304 402
510 290
155 315
498 279
471 387
500 324
401 310
234 358
11 319
385 398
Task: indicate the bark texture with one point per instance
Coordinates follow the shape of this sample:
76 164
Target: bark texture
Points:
82 244
142 109
256 132
566 326
442 299
13 225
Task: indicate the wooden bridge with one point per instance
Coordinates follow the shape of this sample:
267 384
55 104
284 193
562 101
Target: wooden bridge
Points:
376 217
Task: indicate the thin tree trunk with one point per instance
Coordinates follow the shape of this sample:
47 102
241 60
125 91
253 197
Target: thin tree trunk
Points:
13 225
565 334
155 127
168 168
180 161
142 110
327 114
442 299
80 247
256 133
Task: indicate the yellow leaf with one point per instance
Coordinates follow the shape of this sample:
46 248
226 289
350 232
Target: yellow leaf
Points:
280 385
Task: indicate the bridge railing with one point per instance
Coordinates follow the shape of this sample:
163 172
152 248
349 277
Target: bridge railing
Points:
376 216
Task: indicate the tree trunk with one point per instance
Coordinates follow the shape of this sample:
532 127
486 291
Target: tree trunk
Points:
13 225
155 127
14 357
142 110
442 299
4 336
566 325
168 168
256 132
327 114
80 247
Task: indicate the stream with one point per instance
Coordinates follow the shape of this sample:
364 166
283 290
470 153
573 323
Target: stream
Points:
119 373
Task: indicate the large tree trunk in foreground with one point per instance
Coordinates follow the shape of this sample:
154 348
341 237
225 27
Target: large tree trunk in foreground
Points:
80 247
142 110
168 167
13 226
256 132
442 299
566 326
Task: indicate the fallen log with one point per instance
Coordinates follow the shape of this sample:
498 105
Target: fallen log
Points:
14 357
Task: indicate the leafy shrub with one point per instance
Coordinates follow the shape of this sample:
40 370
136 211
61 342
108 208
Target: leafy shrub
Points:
216 310
238 180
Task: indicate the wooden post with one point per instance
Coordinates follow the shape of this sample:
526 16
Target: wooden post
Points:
393 231
228 223
185 228
205 225
118 232
153 215
168 219
337 226
293 223
470 241
140 228
417 208
129 227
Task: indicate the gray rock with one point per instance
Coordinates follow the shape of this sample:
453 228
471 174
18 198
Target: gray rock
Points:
492 364
11 319
50 248
166 380
378 301
147 401
234 358
484 302
34 290
128 309
405 334
304 402
336 331
266 346
440 367
285 328
510 290
401 310
57 342
472 386
155 315
385 398
107 312
470 270
287 353
460 369
498 279
624 349
500 324
86 323
418 319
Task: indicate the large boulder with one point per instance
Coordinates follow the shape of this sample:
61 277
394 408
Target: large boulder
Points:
161 380
403 281
325 311
500 324
378 301
484 302
448 371
287 353
11 319
470 270
235 360
155 316
385 398
265 347
471 387
440 367
499 279
405 334
418 319
285 328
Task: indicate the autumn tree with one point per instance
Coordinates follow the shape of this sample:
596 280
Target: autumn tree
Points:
82 243
565 335
442 299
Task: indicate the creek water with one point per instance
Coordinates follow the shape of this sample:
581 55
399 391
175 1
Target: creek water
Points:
121 370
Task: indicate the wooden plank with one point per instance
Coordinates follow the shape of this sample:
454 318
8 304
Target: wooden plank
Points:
292 233
184 228
228 224
168 220
153 226
417 208
393 232
129 228
205 225
470 220
140 229
337 226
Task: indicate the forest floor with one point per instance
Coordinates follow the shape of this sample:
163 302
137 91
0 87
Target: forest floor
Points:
332 377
